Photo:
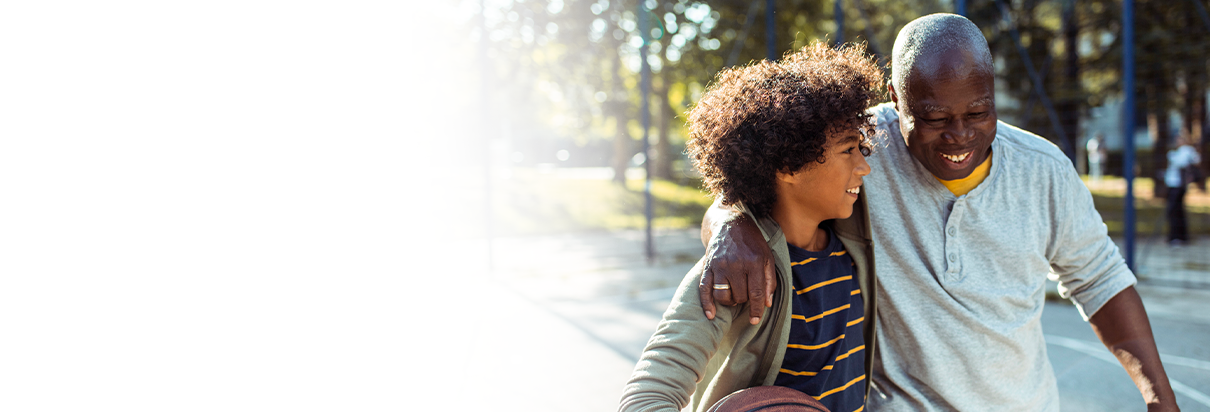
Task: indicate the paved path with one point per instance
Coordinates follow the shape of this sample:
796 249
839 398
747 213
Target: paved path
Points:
590 302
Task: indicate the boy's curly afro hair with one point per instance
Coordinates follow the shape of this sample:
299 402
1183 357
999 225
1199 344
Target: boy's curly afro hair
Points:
769 117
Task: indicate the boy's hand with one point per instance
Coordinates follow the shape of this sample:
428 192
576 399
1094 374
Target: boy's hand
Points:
739 270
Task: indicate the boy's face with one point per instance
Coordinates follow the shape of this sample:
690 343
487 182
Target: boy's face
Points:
828 190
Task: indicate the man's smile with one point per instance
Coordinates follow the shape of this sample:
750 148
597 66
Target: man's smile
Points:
956 158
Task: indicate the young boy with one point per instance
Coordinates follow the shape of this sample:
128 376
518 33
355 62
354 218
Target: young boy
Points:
785 141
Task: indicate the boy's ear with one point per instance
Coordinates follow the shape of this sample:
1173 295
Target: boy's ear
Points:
785 177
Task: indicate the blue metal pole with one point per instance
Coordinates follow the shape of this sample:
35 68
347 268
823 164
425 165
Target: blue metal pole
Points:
770 33
838 13
645 111
1128 119
960 7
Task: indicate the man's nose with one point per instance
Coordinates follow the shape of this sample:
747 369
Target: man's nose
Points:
959 131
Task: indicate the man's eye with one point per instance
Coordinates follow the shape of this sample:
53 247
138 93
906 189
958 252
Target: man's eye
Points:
978 115
934 121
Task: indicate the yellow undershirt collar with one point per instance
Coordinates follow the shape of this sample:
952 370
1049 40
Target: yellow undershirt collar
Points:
964 185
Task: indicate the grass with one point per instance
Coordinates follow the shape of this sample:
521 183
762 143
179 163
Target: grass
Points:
1109 195
532 202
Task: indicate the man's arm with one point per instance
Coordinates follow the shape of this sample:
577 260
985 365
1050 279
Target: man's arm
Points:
740 258
1091 271
1123 327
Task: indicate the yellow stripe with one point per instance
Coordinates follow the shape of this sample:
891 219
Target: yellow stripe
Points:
862 408
814 347
855 350
846 386
803 262
855 321
819 316
824 283
854 292
840 253
825 368
799 373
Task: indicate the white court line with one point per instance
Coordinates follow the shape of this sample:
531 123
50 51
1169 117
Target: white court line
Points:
1099 351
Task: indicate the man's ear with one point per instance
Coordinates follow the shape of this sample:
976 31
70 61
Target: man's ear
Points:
890 86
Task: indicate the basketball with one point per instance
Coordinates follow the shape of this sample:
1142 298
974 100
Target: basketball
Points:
768 399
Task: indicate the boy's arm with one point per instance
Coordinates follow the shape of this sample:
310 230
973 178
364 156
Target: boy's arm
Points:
678 353
737 256
1123 327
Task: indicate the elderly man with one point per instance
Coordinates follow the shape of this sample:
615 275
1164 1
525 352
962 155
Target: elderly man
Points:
968 217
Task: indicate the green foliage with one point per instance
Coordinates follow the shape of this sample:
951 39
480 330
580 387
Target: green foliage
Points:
538 203
1109 198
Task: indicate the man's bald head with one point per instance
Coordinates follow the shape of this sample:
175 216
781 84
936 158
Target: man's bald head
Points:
922 43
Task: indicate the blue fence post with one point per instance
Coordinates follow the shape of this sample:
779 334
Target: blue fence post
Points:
1128 119
770 33
838 14
645 111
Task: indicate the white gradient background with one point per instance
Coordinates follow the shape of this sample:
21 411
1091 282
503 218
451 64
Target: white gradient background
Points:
225 205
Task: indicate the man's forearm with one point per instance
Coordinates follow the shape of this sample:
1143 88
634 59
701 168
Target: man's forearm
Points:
716 216
1123 327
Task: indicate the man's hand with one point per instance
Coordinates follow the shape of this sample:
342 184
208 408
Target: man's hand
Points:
740 266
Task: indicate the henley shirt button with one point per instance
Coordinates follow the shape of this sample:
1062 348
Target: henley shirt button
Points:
953 257
953 232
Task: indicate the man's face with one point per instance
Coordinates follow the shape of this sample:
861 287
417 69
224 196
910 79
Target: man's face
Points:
948 116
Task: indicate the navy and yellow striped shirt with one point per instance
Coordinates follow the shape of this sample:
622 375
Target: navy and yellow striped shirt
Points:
825 356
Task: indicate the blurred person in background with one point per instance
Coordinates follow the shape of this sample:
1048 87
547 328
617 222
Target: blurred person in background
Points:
785 142
1096 156
1183 169
970 217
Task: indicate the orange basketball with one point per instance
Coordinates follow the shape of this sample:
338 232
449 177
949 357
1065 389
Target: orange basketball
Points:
768 399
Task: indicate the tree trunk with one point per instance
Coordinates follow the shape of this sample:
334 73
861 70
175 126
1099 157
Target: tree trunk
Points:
1193 114
1069 94
622 148
1157 127
662 168
619 103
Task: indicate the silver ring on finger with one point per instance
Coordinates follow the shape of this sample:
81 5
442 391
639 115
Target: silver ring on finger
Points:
721 286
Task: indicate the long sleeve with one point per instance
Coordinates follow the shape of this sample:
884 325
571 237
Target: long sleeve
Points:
679 354
1083 258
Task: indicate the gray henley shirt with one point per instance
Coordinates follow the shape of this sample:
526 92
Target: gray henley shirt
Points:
962 278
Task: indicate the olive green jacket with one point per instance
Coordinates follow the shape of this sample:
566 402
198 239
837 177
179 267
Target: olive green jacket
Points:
691 360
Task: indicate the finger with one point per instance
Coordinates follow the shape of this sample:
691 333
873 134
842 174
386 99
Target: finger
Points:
723 295
725 299
756 295
739 290
705 289
770 282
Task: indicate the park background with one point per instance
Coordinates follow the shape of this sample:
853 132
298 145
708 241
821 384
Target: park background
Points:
562 89
590 207
383 205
